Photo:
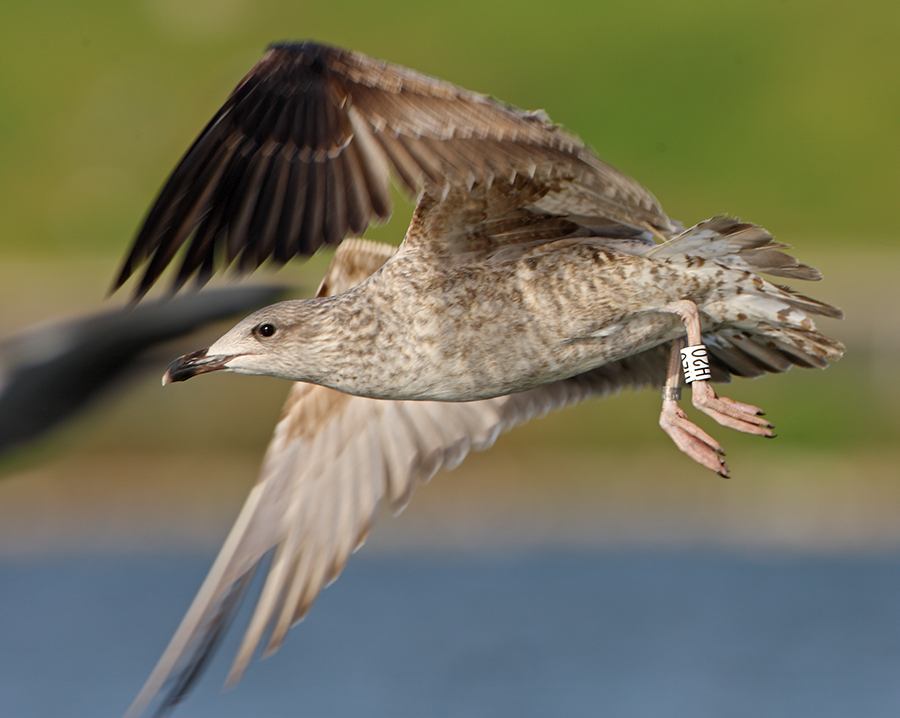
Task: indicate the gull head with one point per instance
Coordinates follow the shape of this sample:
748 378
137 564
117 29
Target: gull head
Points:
268 342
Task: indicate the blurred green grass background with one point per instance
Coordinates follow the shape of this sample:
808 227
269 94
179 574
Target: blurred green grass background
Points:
783 112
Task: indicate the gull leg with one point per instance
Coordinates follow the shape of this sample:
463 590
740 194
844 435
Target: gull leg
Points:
727 412
688 437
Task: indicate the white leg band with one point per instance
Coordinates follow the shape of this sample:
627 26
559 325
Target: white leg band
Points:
695 363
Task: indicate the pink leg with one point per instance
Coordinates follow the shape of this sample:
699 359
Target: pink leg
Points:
727 412
688 437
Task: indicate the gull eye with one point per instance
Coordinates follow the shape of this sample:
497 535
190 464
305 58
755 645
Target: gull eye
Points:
265 330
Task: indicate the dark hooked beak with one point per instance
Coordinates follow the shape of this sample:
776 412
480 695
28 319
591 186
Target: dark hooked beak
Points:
189 365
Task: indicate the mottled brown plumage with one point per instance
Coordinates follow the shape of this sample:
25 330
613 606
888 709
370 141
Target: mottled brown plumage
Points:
334 459
529 278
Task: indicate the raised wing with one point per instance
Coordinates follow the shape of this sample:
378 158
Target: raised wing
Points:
300 156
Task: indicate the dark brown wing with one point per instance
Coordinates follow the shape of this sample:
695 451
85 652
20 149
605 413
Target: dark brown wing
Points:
300 156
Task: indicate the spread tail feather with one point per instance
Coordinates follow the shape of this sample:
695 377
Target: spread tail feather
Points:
770 329
751 354
736 244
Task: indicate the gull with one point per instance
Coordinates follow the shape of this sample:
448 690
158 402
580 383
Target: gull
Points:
532 275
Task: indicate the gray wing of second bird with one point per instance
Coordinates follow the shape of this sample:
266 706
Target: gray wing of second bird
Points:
49 373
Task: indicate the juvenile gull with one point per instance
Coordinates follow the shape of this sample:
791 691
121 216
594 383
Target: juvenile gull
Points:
532 275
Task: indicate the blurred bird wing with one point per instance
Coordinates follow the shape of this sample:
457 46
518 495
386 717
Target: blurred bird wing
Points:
334 458
300 156
50 372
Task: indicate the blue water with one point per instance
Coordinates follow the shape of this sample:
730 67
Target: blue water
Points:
612 633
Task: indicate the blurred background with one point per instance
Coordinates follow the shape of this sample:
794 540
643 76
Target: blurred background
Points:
582 561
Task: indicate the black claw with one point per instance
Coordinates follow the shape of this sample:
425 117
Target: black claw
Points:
770 436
